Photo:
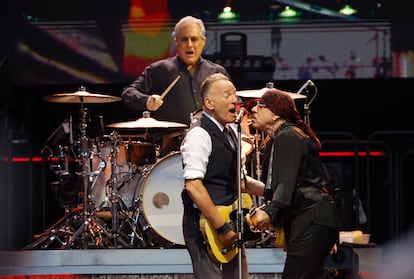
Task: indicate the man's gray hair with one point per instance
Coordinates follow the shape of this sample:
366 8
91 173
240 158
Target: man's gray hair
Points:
191 20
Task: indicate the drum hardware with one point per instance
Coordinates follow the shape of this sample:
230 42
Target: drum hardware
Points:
122 222
81 227
138 233
117 203
91 231
56 235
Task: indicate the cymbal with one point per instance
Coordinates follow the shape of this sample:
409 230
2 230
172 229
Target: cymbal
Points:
257 93
80 96
146 122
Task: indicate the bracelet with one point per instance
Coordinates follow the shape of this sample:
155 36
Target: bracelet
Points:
224 229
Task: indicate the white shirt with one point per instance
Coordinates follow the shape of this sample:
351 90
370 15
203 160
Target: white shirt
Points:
196 149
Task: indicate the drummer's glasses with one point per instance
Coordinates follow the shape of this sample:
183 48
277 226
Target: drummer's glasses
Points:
194 40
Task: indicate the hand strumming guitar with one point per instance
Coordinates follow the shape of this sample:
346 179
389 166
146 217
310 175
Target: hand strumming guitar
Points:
258 219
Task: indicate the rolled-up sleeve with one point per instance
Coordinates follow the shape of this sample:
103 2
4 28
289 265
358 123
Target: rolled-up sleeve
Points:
195 150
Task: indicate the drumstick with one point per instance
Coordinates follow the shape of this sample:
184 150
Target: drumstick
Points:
169 87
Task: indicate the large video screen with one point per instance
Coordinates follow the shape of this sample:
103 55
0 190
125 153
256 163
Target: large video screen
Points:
68 52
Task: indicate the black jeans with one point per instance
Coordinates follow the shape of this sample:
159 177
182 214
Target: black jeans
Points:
307 252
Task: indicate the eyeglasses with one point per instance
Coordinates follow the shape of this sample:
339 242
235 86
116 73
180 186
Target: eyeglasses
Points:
259 104
185 40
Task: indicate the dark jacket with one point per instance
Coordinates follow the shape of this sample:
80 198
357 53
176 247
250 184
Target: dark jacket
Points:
183 98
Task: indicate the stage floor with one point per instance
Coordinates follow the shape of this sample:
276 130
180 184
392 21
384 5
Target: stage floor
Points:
156 261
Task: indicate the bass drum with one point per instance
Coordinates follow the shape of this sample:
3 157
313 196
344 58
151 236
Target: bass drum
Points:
160 209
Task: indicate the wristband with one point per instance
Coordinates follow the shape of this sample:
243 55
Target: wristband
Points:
224 229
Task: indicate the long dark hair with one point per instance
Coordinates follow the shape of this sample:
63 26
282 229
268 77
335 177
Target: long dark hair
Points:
282 104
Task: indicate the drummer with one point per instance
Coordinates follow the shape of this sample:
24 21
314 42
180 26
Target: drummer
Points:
187 68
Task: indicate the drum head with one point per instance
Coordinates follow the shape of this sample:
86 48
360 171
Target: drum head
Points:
160 192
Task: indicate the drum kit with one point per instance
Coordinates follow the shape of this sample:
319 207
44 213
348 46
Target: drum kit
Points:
130 195
130 192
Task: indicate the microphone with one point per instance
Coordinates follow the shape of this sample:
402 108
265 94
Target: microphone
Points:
240 115
304 86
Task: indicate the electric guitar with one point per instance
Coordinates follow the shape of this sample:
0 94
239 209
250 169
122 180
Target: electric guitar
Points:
229 213
278 231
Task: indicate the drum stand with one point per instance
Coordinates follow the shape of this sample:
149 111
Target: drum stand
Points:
74 224
118 206
83 228
91 231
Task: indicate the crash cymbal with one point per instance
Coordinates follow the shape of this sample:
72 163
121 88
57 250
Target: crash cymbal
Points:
80 96
257 93
146 123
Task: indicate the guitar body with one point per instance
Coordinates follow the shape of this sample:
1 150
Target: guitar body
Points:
280 240
229 214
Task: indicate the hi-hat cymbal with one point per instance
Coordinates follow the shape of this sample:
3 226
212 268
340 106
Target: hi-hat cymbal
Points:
257 93
80 96
145 123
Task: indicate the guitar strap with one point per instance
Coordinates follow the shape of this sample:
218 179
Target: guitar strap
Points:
268 186
280 241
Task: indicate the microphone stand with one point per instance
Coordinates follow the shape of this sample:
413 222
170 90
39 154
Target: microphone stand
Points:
239 221
308 101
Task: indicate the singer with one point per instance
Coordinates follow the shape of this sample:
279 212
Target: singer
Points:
298 197
210 166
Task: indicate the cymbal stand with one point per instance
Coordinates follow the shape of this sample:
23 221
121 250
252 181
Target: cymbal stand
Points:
89 224
56 234
118 206
136 236
115 198
259 172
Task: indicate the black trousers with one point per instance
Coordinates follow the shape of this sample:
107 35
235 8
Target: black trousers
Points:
307 252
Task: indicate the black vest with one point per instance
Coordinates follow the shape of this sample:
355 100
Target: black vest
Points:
221 176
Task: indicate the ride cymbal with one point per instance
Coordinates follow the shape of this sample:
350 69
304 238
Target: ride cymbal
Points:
146 122
257 93
81 96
